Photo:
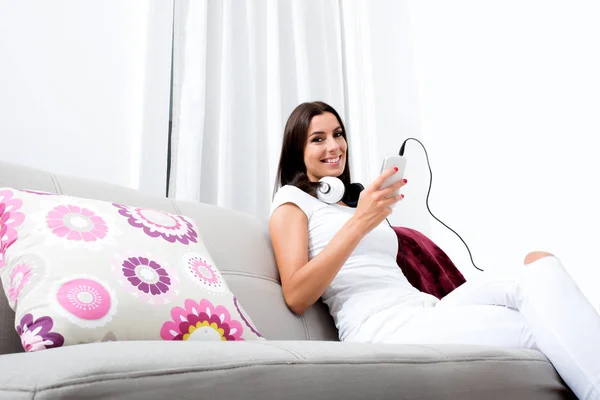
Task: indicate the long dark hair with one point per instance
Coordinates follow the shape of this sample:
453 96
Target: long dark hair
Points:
292 170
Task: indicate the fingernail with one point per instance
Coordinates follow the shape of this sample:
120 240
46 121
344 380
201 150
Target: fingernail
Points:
402 196
395 168
405 180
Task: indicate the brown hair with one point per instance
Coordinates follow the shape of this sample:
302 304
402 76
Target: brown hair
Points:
292 170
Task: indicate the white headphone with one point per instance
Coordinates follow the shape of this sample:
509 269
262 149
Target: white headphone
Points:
331 189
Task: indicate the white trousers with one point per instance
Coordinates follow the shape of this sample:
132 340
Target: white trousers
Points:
535 306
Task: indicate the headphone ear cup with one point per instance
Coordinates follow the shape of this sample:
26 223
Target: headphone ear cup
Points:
352 194
330 190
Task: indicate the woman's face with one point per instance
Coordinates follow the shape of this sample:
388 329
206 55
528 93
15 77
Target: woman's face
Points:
325 151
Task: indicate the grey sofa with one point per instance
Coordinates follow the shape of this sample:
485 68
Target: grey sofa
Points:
301 358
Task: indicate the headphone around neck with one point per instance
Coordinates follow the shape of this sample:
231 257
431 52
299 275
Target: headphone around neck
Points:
332 190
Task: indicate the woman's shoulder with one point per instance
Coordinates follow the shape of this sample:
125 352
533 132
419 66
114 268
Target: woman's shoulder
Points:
291 190
297 196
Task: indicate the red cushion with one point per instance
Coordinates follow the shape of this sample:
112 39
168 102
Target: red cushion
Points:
427 268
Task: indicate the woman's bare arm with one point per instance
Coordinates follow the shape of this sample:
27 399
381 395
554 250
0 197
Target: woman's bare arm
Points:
303 281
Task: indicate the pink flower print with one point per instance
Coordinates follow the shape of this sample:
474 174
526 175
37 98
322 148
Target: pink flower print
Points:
85 301
10 218
146 279
26 271
201 321
36 335
204 273
19 277
157 223
76 223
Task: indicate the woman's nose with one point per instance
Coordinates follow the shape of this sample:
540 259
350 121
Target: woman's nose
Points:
332 145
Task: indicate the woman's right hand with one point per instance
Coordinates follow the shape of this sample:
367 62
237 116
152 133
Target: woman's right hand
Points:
374 203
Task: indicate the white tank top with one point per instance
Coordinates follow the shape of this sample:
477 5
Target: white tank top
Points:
370 281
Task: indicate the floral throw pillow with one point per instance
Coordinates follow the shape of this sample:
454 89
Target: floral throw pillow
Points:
77 271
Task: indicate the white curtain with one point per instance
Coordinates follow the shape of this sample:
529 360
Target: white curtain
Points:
240 68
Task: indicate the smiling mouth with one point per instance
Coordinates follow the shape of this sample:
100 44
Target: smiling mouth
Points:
332 160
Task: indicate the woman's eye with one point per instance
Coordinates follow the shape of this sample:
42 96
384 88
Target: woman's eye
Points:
320 139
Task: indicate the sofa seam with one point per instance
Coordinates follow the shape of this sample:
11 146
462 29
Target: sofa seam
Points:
251 275
306 331
55 183
295 354
175 206
30 391
149 374
438 352
528 353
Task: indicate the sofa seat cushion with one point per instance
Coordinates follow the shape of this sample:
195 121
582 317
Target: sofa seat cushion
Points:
278 370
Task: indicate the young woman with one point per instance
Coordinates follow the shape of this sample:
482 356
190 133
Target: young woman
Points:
347 257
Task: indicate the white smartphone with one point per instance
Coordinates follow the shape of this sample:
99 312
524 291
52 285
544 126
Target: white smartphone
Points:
391 161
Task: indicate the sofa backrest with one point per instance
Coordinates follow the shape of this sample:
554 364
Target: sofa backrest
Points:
238 243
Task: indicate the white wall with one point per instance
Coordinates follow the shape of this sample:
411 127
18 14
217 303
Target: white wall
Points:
84 88
510 99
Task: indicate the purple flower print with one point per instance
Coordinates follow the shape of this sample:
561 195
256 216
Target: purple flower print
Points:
157 223
146 275
36 335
